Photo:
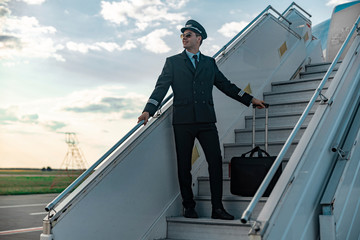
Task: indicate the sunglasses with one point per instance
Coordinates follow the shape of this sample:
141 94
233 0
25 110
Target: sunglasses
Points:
187 35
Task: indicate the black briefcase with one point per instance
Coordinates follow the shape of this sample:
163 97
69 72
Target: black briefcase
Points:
247 172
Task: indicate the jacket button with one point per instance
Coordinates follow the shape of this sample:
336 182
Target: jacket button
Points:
195 101
204 102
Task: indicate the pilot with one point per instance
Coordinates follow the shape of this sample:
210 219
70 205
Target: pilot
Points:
192 76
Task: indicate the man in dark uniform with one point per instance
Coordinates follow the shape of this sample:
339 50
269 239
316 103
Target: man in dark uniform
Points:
192 76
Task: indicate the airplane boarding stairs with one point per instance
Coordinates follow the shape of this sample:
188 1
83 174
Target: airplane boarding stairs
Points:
132 192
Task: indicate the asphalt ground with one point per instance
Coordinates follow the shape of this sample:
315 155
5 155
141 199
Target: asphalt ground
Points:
21 216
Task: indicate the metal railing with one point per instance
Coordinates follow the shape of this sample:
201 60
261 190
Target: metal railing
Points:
248 211
248 26
294 4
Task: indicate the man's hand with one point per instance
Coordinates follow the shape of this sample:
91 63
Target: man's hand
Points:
144 116
259 103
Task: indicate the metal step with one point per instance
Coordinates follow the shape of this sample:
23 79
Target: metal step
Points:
320 67
235 205
297 95
317 74
206 229
288 107
297 85
204 186
280 120
275 134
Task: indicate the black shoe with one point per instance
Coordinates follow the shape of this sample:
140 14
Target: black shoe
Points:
220 213
190 213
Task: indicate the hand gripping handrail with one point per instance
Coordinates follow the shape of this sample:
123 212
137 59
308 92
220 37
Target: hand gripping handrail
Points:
85 174
248 211
247 26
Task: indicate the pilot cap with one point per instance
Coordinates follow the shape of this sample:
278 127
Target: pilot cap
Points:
195 27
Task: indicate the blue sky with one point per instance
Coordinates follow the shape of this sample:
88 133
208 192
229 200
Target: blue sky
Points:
89 66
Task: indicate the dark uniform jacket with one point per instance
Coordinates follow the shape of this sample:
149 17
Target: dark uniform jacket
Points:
192 88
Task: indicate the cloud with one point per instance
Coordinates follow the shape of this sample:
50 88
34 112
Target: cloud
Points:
4 11
336 2
232 28
34 2
153 42
25 37
8 115
12 116
99 46
30 118
108 103
143 13
54 125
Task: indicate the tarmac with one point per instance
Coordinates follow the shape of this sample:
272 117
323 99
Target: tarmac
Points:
21 216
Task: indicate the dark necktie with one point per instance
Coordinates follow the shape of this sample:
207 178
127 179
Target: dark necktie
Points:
196 61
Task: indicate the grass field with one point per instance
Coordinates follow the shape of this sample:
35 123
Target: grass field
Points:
32 181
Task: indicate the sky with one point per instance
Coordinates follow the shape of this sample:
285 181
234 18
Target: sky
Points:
89 66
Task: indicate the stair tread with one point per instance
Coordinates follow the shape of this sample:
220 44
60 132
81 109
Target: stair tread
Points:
290 91
321 64
206 221
260 129
315 72
289 102
228 197
298 81
280 115
258 143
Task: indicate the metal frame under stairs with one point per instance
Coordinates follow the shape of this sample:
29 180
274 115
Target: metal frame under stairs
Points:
287 101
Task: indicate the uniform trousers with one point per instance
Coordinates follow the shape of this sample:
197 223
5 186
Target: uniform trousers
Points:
208 137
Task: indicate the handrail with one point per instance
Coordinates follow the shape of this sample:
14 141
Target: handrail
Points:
85 174
248 211
247 26
293 3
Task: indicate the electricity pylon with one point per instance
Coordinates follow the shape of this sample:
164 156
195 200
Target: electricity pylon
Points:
74 158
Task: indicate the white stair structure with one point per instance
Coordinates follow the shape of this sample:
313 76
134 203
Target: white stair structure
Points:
314 129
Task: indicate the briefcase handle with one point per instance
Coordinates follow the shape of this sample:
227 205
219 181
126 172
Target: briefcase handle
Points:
257 150
265 104
266 125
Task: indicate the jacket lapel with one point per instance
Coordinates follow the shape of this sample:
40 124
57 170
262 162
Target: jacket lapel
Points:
201 64
188 63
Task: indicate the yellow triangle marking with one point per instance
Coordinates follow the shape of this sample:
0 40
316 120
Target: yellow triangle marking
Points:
248 89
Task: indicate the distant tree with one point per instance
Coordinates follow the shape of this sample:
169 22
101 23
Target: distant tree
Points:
48 169
43 169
